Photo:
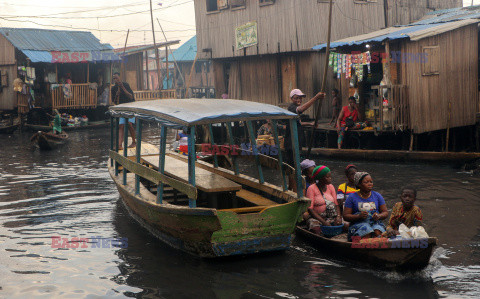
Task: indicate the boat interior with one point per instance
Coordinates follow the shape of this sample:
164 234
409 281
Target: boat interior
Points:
218 188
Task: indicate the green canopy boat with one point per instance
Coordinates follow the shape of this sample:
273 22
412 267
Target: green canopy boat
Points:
196 206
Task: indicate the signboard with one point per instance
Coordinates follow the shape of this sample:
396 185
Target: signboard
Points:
84 56
246 35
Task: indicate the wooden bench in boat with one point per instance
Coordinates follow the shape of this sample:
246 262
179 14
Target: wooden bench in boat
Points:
205 180
254 198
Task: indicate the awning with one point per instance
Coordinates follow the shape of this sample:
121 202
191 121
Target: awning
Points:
413 32
71 57
188 112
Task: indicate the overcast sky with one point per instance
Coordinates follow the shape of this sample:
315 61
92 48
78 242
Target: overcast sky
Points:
113 18
109 20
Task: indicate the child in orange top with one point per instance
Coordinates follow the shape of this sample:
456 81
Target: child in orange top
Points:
405 212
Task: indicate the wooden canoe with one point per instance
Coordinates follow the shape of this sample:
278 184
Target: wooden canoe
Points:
399 255
91 125
237 222
393 155
8 129
48 141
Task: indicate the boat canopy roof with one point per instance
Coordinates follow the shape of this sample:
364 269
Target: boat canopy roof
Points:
190 112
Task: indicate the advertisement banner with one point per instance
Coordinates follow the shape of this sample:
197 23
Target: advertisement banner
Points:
246 35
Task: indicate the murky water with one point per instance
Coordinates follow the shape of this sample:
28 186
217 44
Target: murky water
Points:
68 193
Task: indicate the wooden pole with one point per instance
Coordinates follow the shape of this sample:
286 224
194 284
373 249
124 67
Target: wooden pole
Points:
148 72
155 47
324 80
56 72
190 76
448 125
174 60
110 91
168 67
125 48
88 72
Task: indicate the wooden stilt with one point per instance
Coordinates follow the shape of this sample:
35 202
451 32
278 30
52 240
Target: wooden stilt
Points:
411 142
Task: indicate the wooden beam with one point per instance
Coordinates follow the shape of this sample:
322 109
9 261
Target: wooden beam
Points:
153 176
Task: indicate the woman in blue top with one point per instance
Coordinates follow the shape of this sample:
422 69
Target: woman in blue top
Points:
365 209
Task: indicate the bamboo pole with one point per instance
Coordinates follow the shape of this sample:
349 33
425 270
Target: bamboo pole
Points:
155 48
125 48
190 76
148 72
174 60
324 80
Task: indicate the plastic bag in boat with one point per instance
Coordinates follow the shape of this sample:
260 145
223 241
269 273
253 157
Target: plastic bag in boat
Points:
414 232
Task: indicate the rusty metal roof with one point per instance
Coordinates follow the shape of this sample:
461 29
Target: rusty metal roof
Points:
53 40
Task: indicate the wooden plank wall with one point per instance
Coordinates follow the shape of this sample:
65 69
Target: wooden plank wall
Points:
198 79
457 81
8 99
134 62
285 26
402 12
260 78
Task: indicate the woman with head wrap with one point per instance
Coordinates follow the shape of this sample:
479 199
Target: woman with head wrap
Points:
345 189
324 208
307 167
365 209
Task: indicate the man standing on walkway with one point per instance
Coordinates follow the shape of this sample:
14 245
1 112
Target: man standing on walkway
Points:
122 94
297 96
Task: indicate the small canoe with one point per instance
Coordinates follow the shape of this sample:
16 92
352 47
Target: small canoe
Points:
8 129
399 255
48 141
91 125
9 126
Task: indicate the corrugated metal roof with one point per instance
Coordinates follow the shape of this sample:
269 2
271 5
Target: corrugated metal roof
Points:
452 14
185 52
38 56
53 40
413 32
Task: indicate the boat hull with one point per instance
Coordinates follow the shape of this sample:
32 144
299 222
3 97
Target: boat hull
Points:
208 232
8 129
411 255
394 155
48 141
92 125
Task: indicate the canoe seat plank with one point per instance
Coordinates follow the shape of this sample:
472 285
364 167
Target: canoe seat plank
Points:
205 180
255 198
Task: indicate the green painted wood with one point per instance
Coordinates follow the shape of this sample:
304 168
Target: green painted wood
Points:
274 220
296 156
280 157
231 141
161 162
192 156
154 176
125 147
138 153
117 128
253 143
212 143
112 131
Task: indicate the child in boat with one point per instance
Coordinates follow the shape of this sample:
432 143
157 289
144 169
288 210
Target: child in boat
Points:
324 208
365 209
405 212
345 189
